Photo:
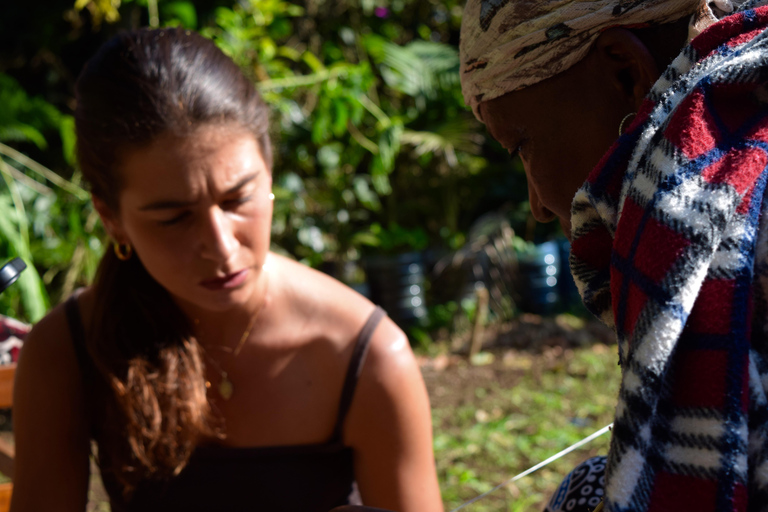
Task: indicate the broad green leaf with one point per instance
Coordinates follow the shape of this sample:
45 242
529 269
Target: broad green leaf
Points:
312 61
368 239
340 118
184 12
364 194
67 132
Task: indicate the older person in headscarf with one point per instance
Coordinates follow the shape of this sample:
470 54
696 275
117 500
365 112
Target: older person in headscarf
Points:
668 225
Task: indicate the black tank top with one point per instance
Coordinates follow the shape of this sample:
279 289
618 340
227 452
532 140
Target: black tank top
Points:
296 478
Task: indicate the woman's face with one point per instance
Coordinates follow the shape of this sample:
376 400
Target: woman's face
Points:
197 211
561 127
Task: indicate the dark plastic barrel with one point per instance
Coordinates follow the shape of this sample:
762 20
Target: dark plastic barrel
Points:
539 276
396 283
569 294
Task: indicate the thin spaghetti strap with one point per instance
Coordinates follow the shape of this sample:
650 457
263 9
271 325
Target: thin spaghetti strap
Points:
77 333
355 367
84 361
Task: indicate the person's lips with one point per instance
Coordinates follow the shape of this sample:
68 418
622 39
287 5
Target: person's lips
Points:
232 280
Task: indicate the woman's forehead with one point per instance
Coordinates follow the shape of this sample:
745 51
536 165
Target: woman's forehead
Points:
211 158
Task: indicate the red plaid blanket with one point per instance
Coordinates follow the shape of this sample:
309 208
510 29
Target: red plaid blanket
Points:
12 333
671 247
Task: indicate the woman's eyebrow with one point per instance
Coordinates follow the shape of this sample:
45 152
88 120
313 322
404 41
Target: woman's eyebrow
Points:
240 184
166 205
173 204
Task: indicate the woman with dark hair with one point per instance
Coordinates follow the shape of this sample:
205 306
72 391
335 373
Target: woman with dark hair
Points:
211 373
642 126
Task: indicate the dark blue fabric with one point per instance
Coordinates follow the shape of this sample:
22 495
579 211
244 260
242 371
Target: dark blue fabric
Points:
582 490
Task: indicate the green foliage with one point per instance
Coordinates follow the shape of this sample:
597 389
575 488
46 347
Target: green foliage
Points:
352 110
43 216
247 33
375 150
14 231
101 10
394 239
504 429
181 13
23 119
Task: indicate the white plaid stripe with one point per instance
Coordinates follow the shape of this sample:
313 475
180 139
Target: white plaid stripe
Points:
693 207
627 472
698 425
679 211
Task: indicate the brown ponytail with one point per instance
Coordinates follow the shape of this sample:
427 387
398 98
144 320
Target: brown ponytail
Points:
149 404
152 403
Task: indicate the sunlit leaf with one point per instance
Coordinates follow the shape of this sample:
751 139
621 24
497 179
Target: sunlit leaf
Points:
364 193
184 12
67 132
312 61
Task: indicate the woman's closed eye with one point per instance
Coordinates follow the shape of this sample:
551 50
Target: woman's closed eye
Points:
231 204
175 219
226 205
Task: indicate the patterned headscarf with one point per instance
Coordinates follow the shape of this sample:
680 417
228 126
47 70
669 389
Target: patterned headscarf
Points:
507 45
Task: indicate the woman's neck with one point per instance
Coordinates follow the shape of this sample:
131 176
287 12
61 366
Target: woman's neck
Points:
228 328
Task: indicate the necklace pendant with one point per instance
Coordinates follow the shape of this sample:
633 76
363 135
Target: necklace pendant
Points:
225 387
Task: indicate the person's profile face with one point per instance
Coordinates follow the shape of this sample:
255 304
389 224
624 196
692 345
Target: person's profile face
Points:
560 127
197 211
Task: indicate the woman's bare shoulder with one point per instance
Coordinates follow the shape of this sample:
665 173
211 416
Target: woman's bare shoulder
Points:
389 426
48 351
50 426
333 307
390 357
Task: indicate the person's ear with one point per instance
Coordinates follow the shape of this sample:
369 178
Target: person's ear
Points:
110 220
627 64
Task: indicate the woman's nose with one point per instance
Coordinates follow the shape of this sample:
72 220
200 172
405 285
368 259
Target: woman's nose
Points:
217 236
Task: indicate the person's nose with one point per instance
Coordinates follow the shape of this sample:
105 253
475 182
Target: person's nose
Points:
217 237
540 212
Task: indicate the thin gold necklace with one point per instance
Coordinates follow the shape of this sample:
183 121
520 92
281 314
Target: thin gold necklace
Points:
226 388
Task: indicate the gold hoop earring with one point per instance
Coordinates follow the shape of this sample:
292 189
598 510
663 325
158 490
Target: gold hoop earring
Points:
123 251
627 117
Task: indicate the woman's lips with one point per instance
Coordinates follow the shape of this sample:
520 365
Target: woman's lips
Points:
229 281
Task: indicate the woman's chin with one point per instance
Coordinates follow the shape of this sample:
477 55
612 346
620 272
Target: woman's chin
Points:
212 301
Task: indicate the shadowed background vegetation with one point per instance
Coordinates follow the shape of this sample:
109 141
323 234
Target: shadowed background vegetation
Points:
376 155
375 150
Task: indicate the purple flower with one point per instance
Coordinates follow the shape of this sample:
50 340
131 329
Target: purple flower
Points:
381 12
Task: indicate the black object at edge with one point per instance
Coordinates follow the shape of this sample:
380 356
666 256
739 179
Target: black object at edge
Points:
10 272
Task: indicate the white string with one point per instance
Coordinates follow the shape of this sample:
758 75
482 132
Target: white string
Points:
538 466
